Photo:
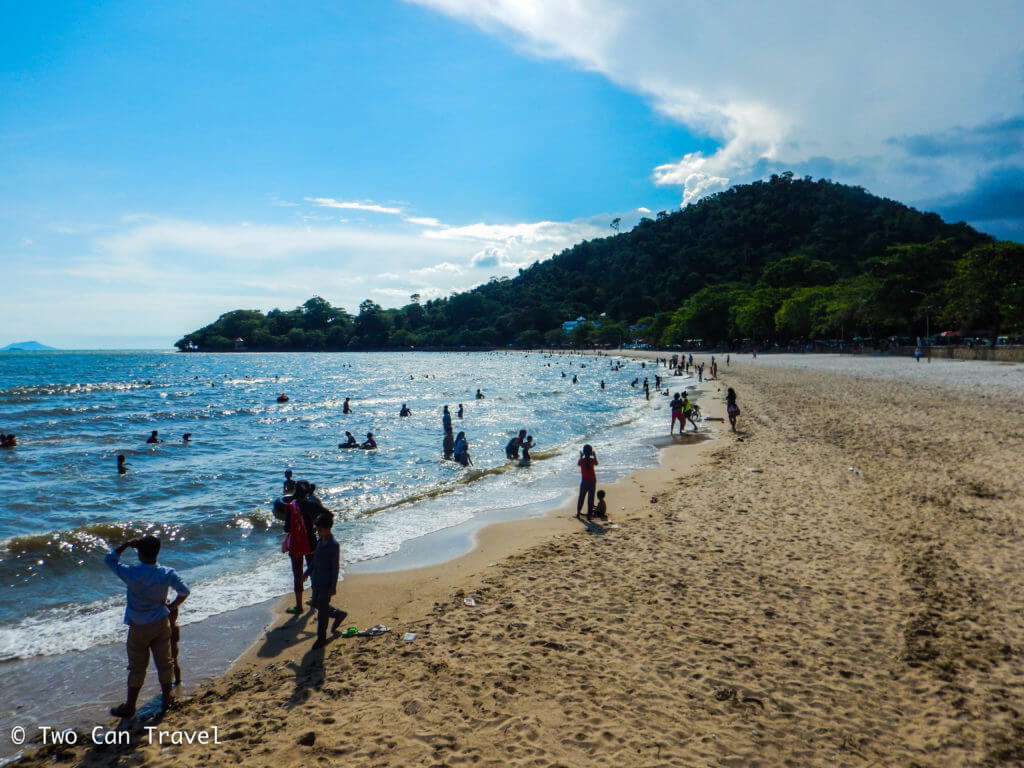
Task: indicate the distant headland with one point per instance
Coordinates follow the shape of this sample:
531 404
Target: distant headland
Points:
26 346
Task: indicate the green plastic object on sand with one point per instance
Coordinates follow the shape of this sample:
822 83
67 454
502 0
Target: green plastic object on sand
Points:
350 632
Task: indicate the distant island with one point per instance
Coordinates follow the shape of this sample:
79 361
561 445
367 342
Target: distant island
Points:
777 261
26 346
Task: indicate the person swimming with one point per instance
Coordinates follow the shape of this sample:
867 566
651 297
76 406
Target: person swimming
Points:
479 395
345 407
369 443
459 414
153 438
350 441
282 398
405 411
122 464
187 437
8 440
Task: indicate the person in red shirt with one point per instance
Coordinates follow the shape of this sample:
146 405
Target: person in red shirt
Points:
588 480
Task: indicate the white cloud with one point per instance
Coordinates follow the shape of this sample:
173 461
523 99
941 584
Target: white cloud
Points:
443 267
327 202
424 221
818 87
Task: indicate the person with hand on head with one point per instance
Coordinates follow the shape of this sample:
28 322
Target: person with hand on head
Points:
147 614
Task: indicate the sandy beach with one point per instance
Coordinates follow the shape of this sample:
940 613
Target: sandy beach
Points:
840 583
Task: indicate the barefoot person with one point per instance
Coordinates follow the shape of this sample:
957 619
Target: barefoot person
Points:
588 480
731 408
324 578
147 614
299 540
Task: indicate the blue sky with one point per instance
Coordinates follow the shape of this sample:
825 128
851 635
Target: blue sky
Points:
163 163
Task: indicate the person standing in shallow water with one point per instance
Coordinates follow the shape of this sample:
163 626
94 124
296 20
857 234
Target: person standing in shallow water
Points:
446 418
459 414
345 407
147 614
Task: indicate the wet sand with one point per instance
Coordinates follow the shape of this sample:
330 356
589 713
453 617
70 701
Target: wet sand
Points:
760 603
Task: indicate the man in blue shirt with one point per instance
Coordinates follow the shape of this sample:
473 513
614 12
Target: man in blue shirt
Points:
324 572
147 615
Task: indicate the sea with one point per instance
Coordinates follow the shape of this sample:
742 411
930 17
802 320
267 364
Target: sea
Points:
210 499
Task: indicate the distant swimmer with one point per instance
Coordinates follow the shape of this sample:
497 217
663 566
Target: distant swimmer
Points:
459 414
153 438
574 379
602 383
350 441
288 487
525 446
187 437
8 440
345 407
122 464
369 443
448 445
479 395
282 398
462 450
446 418
405 411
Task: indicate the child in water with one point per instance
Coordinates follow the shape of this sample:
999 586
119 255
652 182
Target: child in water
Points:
525 447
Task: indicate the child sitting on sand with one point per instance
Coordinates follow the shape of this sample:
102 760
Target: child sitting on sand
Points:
601 508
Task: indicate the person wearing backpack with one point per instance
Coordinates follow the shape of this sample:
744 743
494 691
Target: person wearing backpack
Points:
300 537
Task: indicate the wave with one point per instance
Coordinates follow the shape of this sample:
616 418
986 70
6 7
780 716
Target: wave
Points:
36 390
74 543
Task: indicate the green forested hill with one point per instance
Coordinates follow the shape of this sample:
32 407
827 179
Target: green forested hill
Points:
782 259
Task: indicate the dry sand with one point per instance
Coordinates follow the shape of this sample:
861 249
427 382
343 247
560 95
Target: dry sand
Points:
771 607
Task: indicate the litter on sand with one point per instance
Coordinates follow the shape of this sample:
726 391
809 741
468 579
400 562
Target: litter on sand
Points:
350 632
379 629
470 602
409 637
654 499
614 526
754 469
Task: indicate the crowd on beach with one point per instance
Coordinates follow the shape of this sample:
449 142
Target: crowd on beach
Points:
313 552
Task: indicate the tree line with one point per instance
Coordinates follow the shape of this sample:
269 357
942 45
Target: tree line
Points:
778 260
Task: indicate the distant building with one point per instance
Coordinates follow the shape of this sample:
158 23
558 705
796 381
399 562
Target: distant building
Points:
570 325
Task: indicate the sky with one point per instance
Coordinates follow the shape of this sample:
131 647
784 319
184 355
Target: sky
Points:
161 164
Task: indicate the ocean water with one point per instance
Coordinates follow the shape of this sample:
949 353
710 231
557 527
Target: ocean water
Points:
210 500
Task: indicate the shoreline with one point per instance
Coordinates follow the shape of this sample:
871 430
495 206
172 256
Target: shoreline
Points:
372 594
393 583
